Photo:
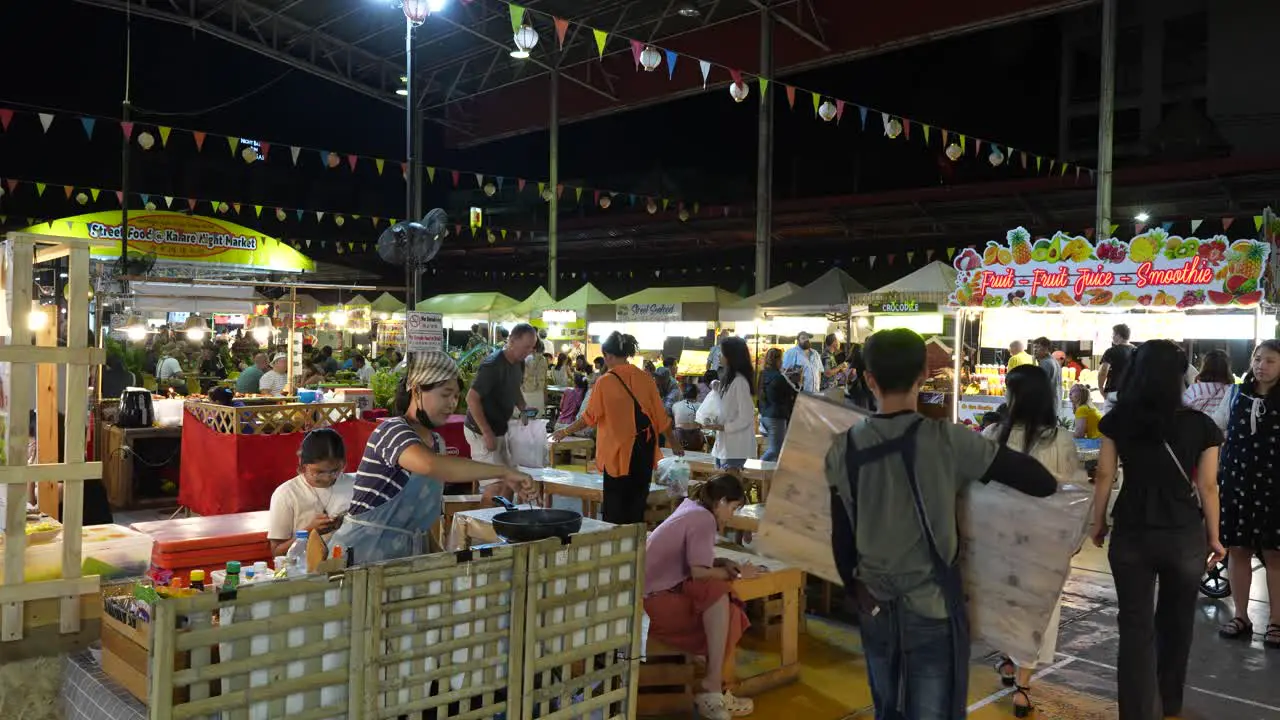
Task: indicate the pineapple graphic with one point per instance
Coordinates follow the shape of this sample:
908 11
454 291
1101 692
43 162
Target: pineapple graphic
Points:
1020 243
1246 258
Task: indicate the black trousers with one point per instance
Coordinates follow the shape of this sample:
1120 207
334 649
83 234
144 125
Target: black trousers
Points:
627 496
1155 640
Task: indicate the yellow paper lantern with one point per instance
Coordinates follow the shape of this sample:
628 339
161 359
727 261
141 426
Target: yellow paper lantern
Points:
146 140
739 91
249 155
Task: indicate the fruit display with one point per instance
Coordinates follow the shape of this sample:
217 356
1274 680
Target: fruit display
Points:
1154 270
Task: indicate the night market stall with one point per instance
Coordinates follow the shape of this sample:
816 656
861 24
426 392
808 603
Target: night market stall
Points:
666 321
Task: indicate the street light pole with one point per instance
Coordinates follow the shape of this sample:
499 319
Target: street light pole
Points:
411 282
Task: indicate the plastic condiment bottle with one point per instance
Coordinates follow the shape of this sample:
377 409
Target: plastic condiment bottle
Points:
197 580
248 574
280 562
260 570
233 576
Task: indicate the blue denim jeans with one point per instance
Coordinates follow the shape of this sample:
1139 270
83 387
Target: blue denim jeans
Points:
775 431
731 463
924 645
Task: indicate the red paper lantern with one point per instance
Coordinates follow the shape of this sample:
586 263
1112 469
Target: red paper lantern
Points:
416 11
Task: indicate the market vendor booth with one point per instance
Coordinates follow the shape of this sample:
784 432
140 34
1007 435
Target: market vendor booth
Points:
460 311
666 321
1069 289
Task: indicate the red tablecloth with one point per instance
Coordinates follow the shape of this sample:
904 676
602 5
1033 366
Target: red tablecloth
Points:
453 437
224 473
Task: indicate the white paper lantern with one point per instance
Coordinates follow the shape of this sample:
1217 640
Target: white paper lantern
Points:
223 207
996 158
280 214
150 205
650 58
546 194
893 128
249 155
684 215
526 38
827 111
954 152
605 201
82 198
334 161
146 140
739 91
339 220
651 206
490 189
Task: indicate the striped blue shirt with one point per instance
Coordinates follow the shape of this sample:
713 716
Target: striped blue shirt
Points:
379 476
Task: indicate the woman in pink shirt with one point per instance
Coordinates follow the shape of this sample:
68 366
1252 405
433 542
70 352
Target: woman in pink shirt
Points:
688 595
571 401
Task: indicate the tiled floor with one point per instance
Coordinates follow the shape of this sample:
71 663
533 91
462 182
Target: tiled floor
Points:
87 693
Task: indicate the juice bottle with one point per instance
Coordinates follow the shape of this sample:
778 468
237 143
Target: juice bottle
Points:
233 576
197 580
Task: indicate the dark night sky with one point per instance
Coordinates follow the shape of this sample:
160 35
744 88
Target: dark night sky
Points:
1000 84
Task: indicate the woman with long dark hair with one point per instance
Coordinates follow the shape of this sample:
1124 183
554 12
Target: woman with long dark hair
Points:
628 416
1031 427
856 391
735 434
1166 525
560 374
1251 489
1212 383
777 397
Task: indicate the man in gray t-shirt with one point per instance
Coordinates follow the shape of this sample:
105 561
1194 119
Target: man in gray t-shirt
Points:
1042 348
495 394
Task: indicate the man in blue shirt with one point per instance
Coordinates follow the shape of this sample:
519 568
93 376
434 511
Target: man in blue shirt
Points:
809 360
247 383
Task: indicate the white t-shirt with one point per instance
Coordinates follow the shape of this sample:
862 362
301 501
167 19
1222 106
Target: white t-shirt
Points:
685 411
167 368
272 383
738 416
296 503
365 374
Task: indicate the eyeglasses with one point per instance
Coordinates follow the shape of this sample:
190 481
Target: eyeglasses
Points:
317 472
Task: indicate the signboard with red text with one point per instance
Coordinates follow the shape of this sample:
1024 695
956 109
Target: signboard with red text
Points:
1154 270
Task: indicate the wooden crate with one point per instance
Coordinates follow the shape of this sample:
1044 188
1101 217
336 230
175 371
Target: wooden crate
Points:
126 650
271 419
443 635
667 681
1015 549
279 649
766 617
582 626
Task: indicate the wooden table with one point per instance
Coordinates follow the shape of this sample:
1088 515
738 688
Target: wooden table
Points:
747 518
783 580
589 488
475 527
117 461
703 466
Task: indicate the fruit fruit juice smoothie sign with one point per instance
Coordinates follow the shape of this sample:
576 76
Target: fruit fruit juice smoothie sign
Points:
1153 270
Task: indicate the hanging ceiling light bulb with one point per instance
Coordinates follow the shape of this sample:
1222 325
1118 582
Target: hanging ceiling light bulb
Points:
195 327
996 158
338 318
37 320
739 91
650 58
416 11
135 328
954 152
827 111
525 38
261 329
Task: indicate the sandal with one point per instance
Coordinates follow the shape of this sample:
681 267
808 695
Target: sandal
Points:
710 706
1237 629
1022 711
1007 669
1272 638
738 707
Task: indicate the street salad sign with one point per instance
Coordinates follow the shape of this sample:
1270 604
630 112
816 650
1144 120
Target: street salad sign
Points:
1154 270
176 237
649 312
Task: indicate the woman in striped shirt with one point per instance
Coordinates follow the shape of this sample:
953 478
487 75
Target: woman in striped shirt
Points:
1211 385
399 486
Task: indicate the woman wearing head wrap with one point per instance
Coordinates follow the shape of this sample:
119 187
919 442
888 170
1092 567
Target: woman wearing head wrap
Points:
399 485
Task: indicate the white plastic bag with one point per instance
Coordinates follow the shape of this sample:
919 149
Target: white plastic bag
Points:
709 411
674 474
528 443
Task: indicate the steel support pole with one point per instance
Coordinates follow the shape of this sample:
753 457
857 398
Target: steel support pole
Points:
764 161
553 223
410 136
1106 118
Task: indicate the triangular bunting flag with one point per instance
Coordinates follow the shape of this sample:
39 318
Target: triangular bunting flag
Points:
299 215
120 197
46 119
560 190
1138 228
1051 162
257 210
145 199
595 197
924 127
577 195
127 128
1024 158
236 207
199 138
431 173
1114 227
319 215
817 102
352 160
705 67
1168 225
977 146
862 113
764 85
671 64
928 255
379 163
871 261
519 184
951 252
891 257
294 152
665 203
455 175
40 189
232 143
1257 222
264 148
88 123
1226 223
562 26
906 131
517 16
1195 225
911 255
68 189
375 220
839 110
884 120
541 188
13 185
962 142
479 180
501 180
637 47
504 233
601 37
1062 170
168 201
791 96
164 135
946 137
191 204
6 116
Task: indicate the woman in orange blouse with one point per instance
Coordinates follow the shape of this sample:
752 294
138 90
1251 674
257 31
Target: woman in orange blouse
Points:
628 416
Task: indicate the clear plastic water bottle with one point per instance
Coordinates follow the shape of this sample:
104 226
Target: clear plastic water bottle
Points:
296 558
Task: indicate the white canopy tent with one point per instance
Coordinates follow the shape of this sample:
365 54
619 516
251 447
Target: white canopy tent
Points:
162 298
748 309
932 283
828 294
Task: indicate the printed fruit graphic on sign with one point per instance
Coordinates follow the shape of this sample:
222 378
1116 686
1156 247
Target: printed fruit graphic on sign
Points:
1246 258
1181 248
1213 251
991 255
1020 244
1040 251
1112 251
1143 248
968 260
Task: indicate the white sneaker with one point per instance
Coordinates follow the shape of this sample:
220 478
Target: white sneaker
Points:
738 707
711 706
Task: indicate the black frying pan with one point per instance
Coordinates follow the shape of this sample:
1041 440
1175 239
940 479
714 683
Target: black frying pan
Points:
529 525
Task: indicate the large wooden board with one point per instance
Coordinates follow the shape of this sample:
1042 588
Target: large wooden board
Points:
1016 550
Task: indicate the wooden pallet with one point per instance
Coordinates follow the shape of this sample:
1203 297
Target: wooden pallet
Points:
271 419
667 681
582 620
443 635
